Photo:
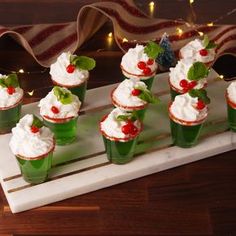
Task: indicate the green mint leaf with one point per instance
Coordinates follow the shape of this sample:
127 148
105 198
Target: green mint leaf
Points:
211 45
37 122
3 83
130 116
152 49
207 44
197 71
12 80
63 95
83 62
147 96
201 94
205 41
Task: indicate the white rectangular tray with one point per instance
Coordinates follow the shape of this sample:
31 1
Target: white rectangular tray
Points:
82 167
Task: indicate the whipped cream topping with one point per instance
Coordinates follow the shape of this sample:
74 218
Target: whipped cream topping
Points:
123 93
131 59
180 72
65 110
231 90
184 108
27 144
191 51
7 99
61 76
113 128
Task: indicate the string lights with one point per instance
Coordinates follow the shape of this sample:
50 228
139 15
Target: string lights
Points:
151 8
151 5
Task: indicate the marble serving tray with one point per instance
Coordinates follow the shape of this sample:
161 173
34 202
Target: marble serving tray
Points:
82 167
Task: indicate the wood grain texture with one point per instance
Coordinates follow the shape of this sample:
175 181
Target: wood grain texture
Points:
195 199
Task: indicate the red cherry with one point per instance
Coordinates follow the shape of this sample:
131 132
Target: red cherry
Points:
11 90
192 84
34 129
70 68
55 110
203 52
183 83
136 92
200 105
141 65
147 71
150 61
126 128
133 130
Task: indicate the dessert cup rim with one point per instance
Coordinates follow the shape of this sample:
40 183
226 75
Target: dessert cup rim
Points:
208 64
181 91
229 102
38 157
12 106
184 122
127 108
139 76
118 139
69 86
58 120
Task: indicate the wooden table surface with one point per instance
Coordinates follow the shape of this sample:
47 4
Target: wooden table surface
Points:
194 199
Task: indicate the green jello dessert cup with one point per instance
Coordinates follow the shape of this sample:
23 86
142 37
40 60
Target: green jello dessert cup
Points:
139 110
148 80
119 150
35 170
65 130
79 90
9 116
231 111
185 134
32 144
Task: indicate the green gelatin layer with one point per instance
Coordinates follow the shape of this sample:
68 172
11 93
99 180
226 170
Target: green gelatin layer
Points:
148 82
64 133
9 119
35 171
80 91
232 118
184 136
119 152
173 94
141 114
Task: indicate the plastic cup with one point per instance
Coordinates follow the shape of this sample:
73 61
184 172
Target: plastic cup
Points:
119 151
9 116
65 130
35 170
79 90
185 134
148 80
140 110
231 111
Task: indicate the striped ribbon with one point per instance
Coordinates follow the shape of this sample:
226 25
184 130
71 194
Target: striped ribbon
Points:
46 41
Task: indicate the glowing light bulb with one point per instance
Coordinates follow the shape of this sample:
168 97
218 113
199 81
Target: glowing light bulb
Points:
109 39
21 71
191 1
221 76
200 33
151 8
179 31
125 40
31 93
210 24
